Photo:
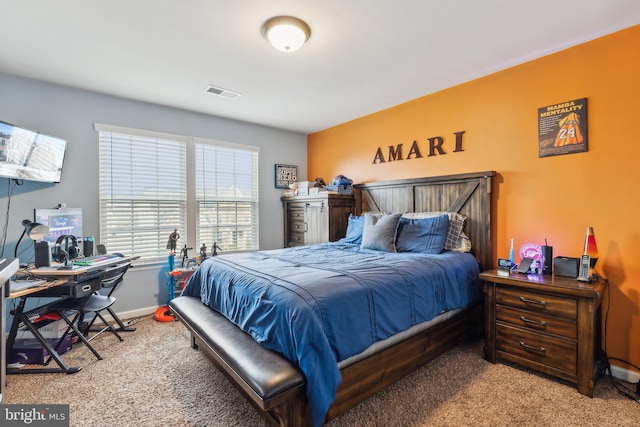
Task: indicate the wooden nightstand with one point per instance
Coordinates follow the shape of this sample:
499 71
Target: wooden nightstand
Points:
548 323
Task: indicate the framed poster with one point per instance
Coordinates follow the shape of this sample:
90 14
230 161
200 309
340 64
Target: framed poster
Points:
562 128
285 175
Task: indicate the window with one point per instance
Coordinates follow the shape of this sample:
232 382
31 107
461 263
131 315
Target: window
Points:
152 183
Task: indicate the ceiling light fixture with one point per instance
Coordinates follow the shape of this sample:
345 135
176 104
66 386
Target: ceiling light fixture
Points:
286 33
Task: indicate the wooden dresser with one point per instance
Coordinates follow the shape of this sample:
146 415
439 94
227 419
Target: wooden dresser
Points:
548 323
316 219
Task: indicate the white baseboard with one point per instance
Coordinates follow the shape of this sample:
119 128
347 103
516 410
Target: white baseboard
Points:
131 314
625 374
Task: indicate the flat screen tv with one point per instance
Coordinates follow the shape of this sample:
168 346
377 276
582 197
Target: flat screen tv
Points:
29 155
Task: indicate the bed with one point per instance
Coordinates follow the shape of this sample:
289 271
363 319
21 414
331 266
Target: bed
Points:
309 332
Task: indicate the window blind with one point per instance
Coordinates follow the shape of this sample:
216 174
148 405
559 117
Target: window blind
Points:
227 197
146 191
142 193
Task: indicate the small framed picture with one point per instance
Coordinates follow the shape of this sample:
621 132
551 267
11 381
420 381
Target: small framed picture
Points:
285 175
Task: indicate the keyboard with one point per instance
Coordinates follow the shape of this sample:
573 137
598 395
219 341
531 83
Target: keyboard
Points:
96 259
19 285
39 311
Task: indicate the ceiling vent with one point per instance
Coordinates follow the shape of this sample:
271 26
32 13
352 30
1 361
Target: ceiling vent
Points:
224 93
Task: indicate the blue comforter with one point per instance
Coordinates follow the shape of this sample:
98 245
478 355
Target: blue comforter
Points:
319 304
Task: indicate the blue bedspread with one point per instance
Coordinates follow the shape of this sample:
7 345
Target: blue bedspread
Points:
320 304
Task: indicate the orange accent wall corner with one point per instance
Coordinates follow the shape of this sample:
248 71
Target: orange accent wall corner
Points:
554 198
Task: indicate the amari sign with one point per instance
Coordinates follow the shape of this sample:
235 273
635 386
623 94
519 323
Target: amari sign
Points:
434 146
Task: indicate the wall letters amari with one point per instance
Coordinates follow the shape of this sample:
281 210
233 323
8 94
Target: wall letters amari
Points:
435 147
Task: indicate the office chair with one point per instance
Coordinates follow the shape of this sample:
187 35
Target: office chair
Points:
92 303
111 285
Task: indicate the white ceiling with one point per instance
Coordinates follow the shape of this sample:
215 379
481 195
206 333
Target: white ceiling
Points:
363 55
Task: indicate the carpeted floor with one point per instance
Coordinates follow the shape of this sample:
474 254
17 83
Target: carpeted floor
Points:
154 378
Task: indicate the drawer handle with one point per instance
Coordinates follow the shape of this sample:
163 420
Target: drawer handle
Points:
537 322
532 301
532 348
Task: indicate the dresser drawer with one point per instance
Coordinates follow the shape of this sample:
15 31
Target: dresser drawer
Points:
543 349
296 238
532 301
296 226
536 321
296 214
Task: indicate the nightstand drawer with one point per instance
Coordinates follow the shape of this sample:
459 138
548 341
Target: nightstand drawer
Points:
537 321
543 349
551 304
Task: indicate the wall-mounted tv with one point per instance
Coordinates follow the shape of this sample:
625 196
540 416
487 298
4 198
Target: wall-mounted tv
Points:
29 155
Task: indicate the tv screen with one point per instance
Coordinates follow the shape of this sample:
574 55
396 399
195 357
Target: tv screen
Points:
29 155
63 221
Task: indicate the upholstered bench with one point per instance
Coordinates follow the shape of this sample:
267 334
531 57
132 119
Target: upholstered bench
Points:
269 381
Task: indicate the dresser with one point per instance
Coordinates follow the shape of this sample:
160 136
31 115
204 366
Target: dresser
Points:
317 218
548 323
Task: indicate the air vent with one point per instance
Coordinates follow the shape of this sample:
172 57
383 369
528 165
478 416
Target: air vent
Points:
224 93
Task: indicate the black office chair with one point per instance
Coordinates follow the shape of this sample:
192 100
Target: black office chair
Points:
92 303
110 284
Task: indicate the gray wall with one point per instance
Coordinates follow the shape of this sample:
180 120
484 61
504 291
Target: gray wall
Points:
70 114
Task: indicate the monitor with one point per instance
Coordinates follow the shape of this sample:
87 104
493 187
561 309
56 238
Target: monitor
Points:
62 221
29 155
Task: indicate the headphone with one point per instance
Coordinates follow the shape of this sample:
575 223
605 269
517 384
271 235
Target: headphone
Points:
68 252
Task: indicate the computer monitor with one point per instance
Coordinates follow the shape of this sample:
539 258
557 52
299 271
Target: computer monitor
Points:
63 221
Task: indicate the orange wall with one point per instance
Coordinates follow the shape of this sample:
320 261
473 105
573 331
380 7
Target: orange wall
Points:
553 198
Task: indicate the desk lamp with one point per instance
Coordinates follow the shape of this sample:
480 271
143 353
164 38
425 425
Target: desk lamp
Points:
33 230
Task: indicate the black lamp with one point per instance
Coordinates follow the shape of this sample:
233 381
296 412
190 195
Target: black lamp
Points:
33 230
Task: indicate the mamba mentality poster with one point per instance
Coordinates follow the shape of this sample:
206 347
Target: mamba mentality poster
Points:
562 128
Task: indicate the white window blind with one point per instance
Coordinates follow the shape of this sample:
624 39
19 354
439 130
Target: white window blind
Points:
227 197
146 191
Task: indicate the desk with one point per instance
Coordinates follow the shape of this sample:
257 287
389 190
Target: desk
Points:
8 267
60 283
19 316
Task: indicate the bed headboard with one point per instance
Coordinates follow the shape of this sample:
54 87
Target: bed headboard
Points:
468 194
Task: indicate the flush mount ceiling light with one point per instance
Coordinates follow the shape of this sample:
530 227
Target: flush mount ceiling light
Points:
286 33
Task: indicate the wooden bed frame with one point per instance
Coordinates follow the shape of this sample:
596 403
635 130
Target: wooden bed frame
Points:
284 404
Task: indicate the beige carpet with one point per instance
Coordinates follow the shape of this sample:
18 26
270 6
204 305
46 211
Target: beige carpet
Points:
154 378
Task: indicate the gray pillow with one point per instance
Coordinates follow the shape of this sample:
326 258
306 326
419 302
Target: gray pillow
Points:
379 232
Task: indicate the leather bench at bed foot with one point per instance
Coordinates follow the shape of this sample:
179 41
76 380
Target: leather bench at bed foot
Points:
266 377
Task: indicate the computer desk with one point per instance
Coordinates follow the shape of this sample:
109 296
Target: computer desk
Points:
56 280
19 316
8 268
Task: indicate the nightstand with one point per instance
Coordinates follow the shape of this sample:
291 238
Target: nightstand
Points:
548 323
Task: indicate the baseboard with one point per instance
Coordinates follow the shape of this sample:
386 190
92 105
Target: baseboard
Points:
131 314
625 374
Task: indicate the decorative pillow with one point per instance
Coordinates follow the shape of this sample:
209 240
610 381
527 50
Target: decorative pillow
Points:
380 232
354 229
456 239
426 235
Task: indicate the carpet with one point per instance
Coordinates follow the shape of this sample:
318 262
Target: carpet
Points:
154 378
